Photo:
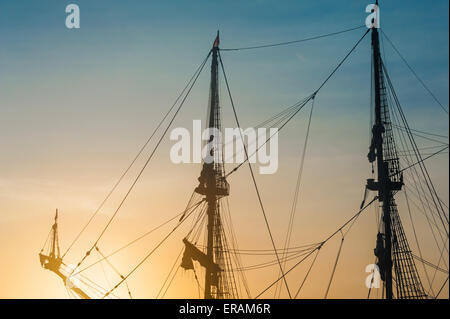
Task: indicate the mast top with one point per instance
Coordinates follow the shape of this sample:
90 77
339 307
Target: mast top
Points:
216 41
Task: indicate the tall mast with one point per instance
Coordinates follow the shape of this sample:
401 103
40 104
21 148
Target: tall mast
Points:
55 252
392 249
211 197
214 186
53 261
384 183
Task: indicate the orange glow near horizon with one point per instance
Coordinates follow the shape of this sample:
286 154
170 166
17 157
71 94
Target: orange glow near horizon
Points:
152 203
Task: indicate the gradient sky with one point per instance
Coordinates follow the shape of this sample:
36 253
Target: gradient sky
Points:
76 105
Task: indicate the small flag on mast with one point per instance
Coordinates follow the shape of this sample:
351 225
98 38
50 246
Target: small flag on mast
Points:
217 41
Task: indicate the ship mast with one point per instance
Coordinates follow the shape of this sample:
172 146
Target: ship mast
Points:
211 181
213 185
384 184
392 249
53 261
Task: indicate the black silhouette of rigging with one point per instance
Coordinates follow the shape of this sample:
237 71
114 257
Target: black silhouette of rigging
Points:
392 248
393 150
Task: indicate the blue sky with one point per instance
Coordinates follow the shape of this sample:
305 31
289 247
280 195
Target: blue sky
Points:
169 38
129 60
103 87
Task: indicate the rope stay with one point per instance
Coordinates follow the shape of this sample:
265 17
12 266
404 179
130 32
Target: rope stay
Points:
307 274
148 255
299 105
188 210
353 218
283 274
442 287
143 147
420 159
422 132
170 272
415 74
418 190
234 244
290 257
296 193
294 41
113 268
253 176
148 159
417 243
335 265
407 280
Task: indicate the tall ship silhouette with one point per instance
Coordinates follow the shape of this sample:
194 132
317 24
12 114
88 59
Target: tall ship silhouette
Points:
210 251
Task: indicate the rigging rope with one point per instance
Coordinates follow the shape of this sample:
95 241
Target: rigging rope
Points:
307 274
423 159
171 280
274 262
343 60
322 243
428 181
297 191
147 256
148 160
430 264
234 244
113 268
191 208
289 118
334 267
439 261
195 222
423 132
415 74
45 243
134 159
423 209
421 136
303 103
279 249
417 181
170 272
418 157
253 176
442 287
417 242
292 42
